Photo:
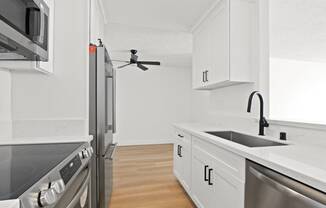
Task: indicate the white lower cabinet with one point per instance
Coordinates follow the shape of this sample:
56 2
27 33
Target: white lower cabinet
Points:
212 176
212 187
202 183
182 160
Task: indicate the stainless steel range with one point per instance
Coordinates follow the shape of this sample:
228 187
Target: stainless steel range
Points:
46 175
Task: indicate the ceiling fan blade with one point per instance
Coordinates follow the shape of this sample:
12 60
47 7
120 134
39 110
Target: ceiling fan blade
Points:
157 63
122 61
119 67
142 67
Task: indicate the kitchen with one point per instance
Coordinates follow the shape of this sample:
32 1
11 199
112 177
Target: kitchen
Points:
151 101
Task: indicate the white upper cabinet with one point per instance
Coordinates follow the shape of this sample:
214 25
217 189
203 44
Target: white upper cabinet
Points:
224 45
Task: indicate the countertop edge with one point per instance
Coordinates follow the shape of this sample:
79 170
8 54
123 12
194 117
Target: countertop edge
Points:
46 140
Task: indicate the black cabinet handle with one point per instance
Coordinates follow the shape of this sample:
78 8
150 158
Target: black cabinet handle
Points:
206 75
210 177
180 151
205 173
179 135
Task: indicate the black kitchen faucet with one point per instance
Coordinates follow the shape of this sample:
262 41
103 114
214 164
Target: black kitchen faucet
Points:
262 121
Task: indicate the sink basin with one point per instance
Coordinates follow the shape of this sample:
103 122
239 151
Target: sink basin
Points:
249 141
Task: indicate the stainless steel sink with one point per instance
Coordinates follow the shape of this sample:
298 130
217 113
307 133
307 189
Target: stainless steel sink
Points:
249 141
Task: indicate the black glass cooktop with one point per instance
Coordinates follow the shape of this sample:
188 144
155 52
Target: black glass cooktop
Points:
21 166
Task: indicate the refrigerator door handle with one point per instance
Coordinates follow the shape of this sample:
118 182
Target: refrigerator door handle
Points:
114 121
110 154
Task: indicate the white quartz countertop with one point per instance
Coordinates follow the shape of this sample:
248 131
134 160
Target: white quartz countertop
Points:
45 140
303 162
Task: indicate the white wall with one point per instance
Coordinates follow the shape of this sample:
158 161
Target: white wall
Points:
5 104
149 102
50 105
297 98
97 24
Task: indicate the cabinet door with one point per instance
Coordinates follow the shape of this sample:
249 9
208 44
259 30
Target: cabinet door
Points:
186 162
219 32
200 191
177 160
211 186
228 191
201 55
196 61
198 58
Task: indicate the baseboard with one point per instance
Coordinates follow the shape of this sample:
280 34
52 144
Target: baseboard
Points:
122 142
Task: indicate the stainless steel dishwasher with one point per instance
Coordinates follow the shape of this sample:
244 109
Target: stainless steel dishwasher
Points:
266 188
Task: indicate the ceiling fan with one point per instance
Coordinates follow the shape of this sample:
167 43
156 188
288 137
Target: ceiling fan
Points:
134 60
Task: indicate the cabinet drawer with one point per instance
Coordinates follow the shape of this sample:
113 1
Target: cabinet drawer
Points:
228 162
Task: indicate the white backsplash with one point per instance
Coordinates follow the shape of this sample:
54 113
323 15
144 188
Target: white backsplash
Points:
49 128
5 129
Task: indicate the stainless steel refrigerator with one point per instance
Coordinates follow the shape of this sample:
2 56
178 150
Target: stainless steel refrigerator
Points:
101 123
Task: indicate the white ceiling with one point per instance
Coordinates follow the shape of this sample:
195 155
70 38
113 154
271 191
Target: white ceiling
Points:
173 49
298 29
178 15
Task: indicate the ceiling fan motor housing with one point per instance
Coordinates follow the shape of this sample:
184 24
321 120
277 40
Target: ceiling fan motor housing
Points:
134 57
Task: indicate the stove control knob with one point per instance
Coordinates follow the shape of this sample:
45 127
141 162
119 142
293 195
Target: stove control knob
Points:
47 197
85 154
58 186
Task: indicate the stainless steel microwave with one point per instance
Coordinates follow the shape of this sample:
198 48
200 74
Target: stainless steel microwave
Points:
24 30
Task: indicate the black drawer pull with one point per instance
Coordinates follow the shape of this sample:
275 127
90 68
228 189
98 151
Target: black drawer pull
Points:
206 75
180 151
210 177
205 173
179 135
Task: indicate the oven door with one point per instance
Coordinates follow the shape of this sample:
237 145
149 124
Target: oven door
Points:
24 26
78 193
106 176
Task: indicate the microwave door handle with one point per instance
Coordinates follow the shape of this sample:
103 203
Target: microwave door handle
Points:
42 25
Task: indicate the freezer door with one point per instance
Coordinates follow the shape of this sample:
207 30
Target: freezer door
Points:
106 177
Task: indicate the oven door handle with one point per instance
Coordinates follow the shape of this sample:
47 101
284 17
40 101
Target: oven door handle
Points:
80 192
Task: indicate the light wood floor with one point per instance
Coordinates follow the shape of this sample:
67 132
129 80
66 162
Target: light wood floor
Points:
143 178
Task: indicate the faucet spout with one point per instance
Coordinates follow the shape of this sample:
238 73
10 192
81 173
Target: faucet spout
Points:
262 121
